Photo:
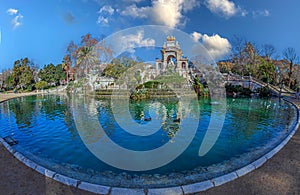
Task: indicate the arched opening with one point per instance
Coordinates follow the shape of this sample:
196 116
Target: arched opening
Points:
171 57
159 66
171 61
183 65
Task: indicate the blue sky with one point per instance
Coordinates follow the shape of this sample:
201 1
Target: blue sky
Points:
41 30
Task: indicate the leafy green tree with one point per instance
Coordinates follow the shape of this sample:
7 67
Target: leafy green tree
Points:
41 85
9 83
59 74
27 79
267 71
52 74
22 74
114 70
118 66
47 73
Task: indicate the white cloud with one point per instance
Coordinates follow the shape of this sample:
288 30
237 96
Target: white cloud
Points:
102 20
105 14
131 41
164 12
167 12
136 12
190 4
263 13
16 22
12 11
216 46
196 36
224 8
107 10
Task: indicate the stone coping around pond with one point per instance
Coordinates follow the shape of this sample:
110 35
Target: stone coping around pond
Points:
184 189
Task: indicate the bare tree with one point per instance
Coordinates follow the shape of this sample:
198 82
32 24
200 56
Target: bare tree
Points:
290 55
268 50
238 58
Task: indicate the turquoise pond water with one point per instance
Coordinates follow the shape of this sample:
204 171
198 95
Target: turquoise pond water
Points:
46 132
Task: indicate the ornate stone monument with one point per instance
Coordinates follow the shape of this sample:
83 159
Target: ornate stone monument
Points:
172 58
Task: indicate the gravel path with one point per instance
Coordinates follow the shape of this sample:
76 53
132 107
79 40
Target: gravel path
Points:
280 175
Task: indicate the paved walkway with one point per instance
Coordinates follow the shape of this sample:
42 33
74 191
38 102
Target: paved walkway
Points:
280 175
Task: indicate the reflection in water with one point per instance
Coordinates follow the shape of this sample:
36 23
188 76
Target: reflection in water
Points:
140 146
44 125
167 111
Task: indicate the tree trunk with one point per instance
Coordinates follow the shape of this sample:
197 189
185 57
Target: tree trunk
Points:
290 74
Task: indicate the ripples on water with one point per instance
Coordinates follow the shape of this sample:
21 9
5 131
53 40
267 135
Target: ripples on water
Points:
44 128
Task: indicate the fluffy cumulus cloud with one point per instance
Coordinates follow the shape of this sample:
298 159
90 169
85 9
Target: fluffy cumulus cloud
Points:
136 12
216 46
102 20
12 11
224 8
107 10
196 36
131 41
105 13
190 4
163 12
16 21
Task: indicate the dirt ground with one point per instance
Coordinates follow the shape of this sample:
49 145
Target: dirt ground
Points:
280 175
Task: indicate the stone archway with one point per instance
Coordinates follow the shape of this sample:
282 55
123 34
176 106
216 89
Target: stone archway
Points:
169 58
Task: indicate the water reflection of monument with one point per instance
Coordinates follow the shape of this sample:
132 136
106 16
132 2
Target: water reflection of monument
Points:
166 112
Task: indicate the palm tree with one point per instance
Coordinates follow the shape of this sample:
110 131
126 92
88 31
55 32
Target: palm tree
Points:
87 60
66 66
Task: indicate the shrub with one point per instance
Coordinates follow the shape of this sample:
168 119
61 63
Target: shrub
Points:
264 92
41 85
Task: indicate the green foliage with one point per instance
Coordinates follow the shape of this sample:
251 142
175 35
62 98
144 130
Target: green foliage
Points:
152 84
77 86
199 87
173 78
9 82
238 90
41 85
264 92
139 94
22 75
118 66
52 74
267 71
114 71
201 90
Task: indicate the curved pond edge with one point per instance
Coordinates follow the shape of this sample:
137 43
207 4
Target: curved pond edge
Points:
183 189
